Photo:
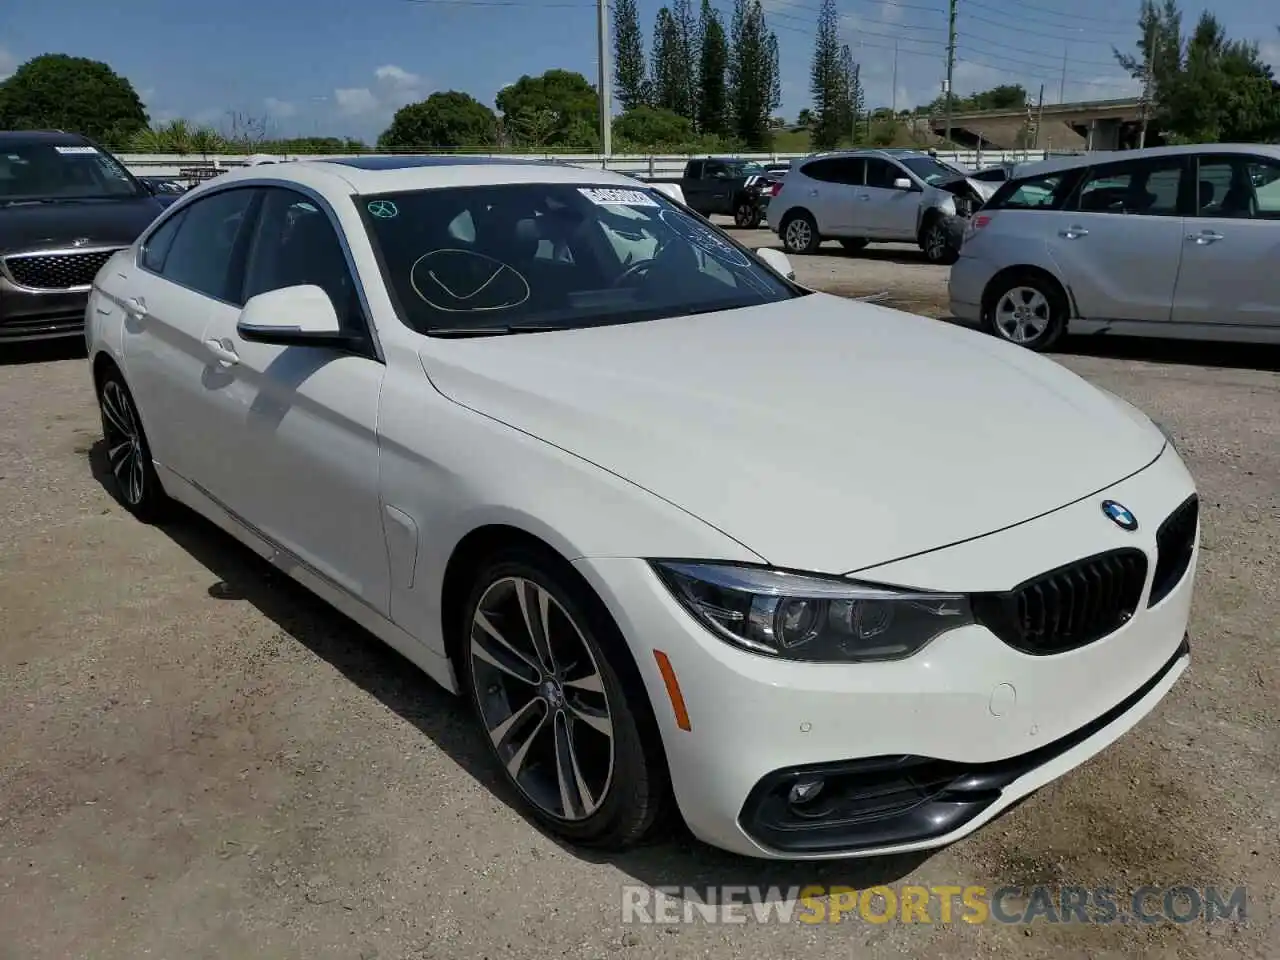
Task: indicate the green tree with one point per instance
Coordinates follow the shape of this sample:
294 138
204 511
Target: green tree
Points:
751 75
568 96
652 128
851 97
713 62
686 59
825 82
73 94
449 119
665 69
630 81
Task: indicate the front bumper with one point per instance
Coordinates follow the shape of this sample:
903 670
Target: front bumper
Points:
998 723
40 315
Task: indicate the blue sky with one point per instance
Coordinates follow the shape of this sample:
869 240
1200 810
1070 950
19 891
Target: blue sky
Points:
342 67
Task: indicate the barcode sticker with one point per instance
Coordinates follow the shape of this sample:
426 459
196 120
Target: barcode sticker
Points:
629 198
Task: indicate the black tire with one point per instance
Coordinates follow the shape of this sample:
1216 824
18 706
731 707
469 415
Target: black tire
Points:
1043 301
134 481
853 244
799 233
746 215
935 241
636 793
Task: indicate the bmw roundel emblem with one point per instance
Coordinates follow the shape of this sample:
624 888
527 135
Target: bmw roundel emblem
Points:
1120 515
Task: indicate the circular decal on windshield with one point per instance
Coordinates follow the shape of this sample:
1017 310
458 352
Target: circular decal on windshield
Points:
463 281
702 237
383 209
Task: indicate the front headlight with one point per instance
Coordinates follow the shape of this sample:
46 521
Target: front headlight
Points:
812 618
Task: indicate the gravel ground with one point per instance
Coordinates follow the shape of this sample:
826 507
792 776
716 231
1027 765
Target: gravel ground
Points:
198 760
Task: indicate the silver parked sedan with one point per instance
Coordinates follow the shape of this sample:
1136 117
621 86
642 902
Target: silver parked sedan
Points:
1170 241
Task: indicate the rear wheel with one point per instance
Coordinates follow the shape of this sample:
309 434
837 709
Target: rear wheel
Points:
1029 309
133 474
800 234
572 735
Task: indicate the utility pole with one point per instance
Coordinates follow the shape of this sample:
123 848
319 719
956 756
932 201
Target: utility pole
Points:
1062 84
1146 86
951 59
1039 115
606 108
895 77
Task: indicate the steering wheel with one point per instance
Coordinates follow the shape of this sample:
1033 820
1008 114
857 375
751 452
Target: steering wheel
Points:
639 268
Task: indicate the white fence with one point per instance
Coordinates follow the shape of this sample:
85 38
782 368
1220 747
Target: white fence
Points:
173 165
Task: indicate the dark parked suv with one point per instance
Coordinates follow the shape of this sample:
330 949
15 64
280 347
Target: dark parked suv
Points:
66 205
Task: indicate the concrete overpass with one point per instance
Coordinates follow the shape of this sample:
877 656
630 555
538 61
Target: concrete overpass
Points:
1086 125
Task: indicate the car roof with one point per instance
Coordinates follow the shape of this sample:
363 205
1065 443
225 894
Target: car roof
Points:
392 173
51 137
1089 159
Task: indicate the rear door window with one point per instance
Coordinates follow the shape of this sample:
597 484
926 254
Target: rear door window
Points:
1031 193
1148 188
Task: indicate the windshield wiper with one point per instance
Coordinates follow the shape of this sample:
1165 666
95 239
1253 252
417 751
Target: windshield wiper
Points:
460 332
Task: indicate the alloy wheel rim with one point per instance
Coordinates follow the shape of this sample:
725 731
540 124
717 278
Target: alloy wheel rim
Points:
935 242
542 699
798 234
124 442
743 215
1022 314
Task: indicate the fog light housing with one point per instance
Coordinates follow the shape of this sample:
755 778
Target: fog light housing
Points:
803 791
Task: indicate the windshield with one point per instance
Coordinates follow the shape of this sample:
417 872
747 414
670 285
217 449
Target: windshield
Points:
47 171
929 170
490 258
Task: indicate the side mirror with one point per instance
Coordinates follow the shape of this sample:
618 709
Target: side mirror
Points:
148 186
293 316
777 261
902 183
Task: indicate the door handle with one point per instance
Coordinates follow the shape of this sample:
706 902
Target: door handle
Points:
813 193
226 356
864 196
136 306
1071 233
1205 238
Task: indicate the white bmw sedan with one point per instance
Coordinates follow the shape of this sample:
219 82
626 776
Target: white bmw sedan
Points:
687 536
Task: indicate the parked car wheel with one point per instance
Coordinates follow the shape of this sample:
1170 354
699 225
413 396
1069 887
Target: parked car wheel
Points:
747 215
544 670
133 474
935 241
853 244
1027 308
800 233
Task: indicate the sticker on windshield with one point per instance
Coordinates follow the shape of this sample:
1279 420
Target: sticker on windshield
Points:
704 238
77 151
383 209
627 198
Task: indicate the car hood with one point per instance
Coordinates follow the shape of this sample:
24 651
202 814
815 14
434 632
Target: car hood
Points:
33 226
821 433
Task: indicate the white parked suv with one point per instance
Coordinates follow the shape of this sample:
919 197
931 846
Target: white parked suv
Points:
863 196
1169 241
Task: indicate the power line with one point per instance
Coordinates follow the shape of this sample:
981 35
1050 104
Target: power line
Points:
1047 11
1071 34
1001 48
1004 67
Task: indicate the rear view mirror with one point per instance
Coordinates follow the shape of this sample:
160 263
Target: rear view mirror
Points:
902 183
777 261
292 316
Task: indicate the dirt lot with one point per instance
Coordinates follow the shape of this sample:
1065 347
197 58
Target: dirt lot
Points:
197 760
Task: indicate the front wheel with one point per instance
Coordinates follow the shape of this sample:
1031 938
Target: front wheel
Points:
935 241
565 727
800 234
746 216
1028 309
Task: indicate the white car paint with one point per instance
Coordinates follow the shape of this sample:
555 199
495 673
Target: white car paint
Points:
812 434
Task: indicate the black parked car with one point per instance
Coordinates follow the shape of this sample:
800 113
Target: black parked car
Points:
66 205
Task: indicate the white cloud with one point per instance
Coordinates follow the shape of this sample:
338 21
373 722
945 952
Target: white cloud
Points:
279 109
147 94
355 101
8 63
393 87
1269 50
